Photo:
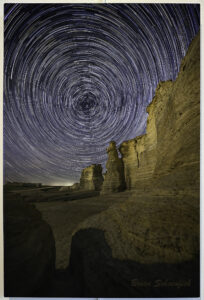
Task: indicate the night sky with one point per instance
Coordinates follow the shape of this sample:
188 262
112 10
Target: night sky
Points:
79 76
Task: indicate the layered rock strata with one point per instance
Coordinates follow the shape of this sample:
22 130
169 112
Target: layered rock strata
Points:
91 178
114 180
172 139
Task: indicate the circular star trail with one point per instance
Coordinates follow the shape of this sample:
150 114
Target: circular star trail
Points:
79 76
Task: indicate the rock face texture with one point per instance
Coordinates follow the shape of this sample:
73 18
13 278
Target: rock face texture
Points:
29 250
150 230
114 180
91 178
97 272
171 146
157 228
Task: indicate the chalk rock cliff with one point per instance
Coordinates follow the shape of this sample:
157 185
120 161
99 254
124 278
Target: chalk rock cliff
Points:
171 146
114 180
91 178
157 228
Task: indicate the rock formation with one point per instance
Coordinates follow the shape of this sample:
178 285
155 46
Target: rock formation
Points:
156 229
114 177
171 146
73 187
29 249
91 178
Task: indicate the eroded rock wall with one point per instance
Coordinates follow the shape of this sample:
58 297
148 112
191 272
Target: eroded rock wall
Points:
171 143
91 178
114 180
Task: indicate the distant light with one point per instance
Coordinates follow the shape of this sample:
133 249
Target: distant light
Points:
62 183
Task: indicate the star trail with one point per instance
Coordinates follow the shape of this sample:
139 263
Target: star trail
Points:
79 76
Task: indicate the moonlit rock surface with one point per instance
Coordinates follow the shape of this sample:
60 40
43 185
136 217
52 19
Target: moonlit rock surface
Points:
91 178
114 180
171 147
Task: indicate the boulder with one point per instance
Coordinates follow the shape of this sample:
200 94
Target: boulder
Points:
29 250
114 180
91 178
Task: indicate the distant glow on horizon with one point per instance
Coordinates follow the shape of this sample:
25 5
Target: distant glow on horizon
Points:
77 76
62 184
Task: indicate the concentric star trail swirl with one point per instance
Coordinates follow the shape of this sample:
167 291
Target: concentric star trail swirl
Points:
78 76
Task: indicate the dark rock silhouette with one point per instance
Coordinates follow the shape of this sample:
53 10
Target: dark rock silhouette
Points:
29 249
